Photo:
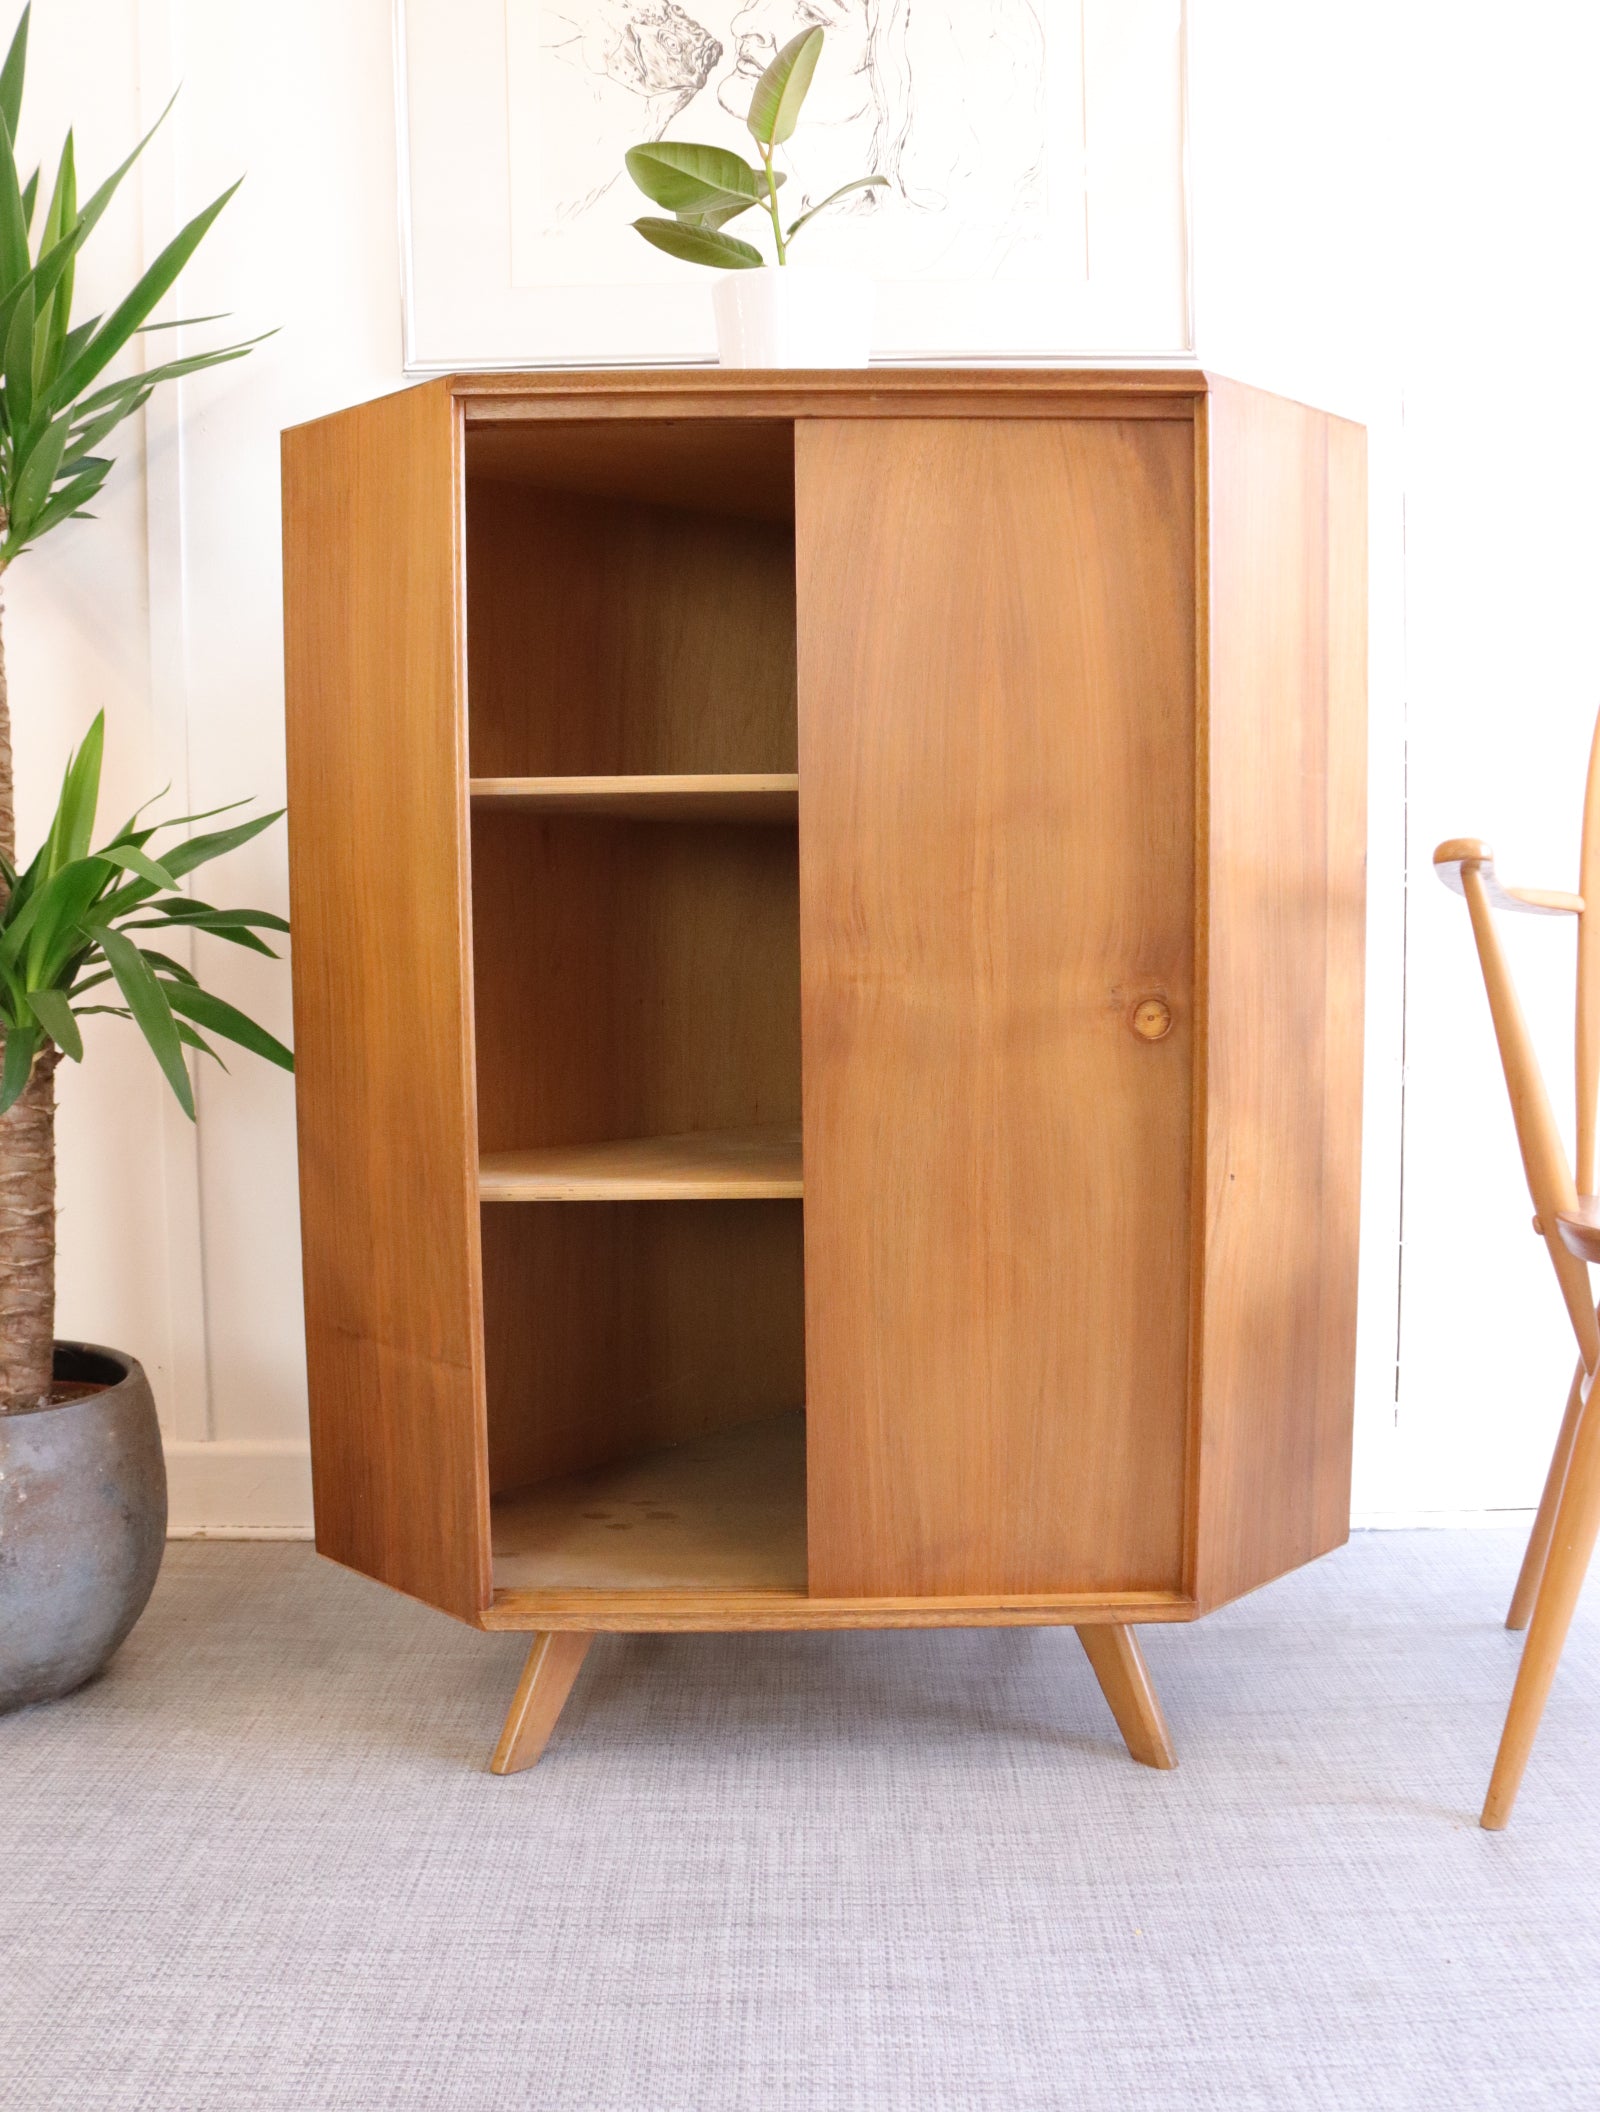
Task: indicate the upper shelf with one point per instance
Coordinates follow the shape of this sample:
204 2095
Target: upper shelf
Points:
771 797
725 1165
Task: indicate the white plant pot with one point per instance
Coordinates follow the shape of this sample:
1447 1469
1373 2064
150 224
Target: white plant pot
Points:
792 318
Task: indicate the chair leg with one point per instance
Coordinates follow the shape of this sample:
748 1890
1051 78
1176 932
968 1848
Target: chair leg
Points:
1577 1525
553 1664
1544 1523
1125 1682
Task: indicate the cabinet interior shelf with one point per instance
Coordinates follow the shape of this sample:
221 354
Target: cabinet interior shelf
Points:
770 797
723 1512
722 1165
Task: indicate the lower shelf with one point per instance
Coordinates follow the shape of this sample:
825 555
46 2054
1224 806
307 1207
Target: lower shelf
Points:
720 1513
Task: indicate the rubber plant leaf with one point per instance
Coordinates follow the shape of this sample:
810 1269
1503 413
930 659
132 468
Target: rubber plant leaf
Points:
862 183
700 245
685 178
778 95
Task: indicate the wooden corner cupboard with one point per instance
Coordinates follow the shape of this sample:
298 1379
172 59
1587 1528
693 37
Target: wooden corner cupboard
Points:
828 925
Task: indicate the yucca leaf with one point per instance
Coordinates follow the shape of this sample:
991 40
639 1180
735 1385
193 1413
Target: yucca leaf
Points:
30 197
19 362
12 73
697 245
219 925
67 504
22 1045
200 850
152 1014
55 1016
118 392
776 98
134 861
15 261
167 966
80 794
54 316
225 1019
36 475
55 914
184 322
134 307
192 1040
861 183
185 909
684 177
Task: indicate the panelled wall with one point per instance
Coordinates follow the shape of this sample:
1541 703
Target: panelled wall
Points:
1412 278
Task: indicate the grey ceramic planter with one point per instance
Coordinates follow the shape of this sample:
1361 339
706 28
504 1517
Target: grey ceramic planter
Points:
83 1521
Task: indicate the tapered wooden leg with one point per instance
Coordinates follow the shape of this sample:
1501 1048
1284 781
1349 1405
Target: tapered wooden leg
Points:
1544 1523
1571 1544
553 1664
1125 1682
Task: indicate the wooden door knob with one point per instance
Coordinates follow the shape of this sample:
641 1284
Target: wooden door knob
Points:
1152 1018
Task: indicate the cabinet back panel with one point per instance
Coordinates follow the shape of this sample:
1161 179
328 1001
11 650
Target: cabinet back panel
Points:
997 859
606 636
611 1327
632 979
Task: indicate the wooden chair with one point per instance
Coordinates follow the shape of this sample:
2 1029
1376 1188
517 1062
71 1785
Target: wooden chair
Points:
1567 1216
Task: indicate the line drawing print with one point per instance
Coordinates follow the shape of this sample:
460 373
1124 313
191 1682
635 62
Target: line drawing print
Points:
945 98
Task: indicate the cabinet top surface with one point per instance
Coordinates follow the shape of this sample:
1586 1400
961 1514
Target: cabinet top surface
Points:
785 392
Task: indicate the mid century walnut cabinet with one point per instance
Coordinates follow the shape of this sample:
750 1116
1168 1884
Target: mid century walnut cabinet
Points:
828 978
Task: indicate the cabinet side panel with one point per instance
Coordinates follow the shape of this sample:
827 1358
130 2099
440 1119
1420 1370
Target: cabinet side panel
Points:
1285 902
377 822
996 630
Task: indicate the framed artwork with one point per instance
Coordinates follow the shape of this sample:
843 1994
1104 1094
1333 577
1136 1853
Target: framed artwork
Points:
1034 149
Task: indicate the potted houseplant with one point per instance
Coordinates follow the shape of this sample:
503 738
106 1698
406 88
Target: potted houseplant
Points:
82 930
767 315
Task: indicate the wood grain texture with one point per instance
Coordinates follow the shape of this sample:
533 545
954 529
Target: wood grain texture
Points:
383 1030
703 1612
1544 1154
996 828
553 1663
1130 1693
1283 787
737 467
1460 851
747 796
725 1512
612 1327
633 982
719 1165
608 637
524 397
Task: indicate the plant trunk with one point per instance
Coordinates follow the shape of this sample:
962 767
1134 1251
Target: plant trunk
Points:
28 1239
27 1179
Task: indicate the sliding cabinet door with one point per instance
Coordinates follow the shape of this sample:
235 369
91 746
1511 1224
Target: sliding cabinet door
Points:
996 641
377 868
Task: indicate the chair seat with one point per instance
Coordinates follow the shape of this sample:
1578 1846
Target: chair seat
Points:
1580 1228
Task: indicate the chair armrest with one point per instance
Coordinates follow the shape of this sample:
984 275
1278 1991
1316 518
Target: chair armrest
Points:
1450 857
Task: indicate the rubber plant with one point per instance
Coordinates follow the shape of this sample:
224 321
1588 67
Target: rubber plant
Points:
66 918
703 188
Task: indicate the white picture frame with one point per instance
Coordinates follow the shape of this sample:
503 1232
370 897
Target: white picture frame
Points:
1038 209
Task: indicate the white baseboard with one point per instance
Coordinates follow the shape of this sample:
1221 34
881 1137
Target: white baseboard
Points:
238 1489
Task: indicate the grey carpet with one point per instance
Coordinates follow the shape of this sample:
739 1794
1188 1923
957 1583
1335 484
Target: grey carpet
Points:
259 1867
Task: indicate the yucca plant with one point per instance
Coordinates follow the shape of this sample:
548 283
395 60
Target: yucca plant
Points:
703 188
64 921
